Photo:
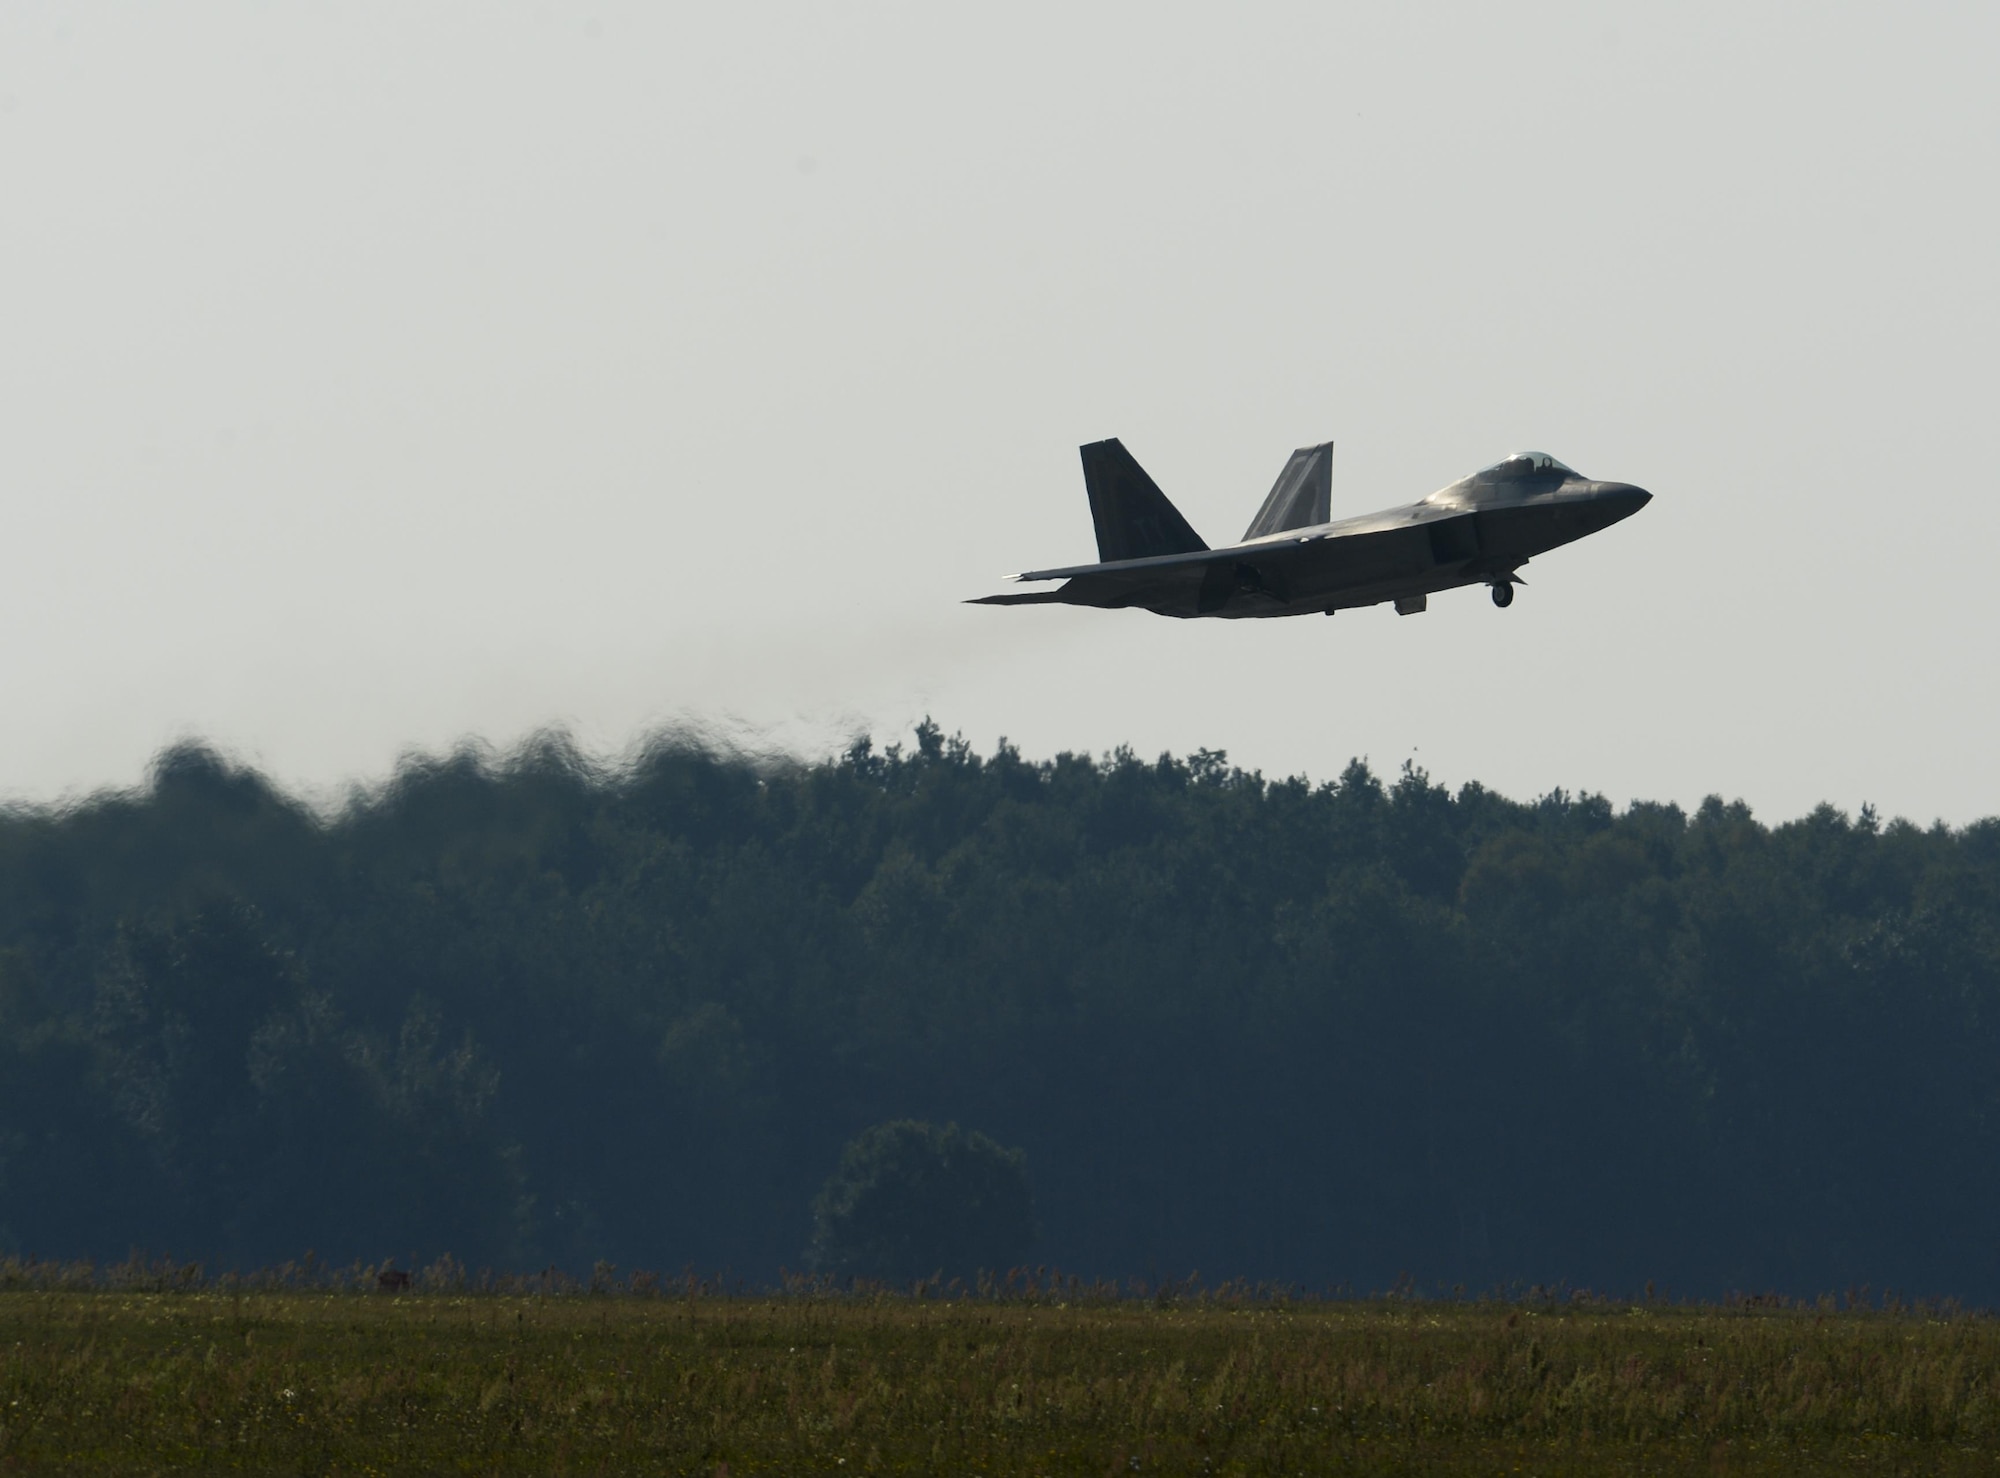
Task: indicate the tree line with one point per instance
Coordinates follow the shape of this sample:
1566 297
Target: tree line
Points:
531 1010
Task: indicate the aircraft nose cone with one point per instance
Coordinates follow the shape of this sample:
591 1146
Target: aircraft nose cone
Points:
1621 499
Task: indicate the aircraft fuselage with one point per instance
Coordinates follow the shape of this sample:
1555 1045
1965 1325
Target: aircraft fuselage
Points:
1479 530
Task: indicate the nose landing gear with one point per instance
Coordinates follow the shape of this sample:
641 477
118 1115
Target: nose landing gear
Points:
1503 593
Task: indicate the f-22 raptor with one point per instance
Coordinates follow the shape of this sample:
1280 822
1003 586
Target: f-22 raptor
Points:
1294 561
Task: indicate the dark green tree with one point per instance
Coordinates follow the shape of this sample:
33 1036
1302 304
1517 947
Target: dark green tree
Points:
911 1200
527 1008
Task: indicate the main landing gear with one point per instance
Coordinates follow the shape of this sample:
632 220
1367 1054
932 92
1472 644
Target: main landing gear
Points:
1503 593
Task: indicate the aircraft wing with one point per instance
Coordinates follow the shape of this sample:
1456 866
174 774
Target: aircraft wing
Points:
1157 582
1338 564
1152 567
1118 583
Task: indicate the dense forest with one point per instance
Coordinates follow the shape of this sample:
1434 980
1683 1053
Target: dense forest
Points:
529 1010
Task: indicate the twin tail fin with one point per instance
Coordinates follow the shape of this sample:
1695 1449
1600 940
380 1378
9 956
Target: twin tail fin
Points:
1301 497
1135 521
1133 517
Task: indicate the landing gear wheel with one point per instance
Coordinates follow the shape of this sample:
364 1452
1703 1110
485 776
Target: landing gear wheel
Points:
1503 594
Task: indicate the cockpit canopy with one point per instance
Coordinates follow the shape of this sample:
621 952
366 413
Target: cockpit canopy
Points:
1524 464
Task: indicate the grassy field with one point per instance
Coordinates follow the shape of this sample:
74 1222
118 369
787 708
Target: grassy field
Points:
441 1382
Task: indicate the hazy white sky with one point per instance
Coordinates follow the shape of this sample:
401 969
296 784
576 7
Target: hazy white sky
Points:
374 376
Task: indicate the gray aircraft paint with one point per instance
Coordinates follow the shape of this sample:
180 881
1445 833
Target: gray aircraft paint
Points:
1294 561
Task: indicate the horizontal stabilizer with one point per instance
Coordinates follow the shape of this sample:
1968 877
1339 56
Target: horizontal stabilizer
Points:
1133 517
1301 497
1020 598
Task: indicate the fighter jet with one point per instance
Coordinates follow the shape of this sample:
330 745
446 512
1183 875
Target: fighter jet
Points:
1293 561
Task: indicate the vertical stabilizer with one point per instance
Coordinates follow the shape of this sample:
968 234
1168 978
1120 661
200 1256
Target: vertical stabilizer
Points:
1133 517
1301 497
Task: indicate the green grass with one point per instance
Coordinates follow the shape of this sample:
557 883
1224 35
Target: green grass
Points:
343 1382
